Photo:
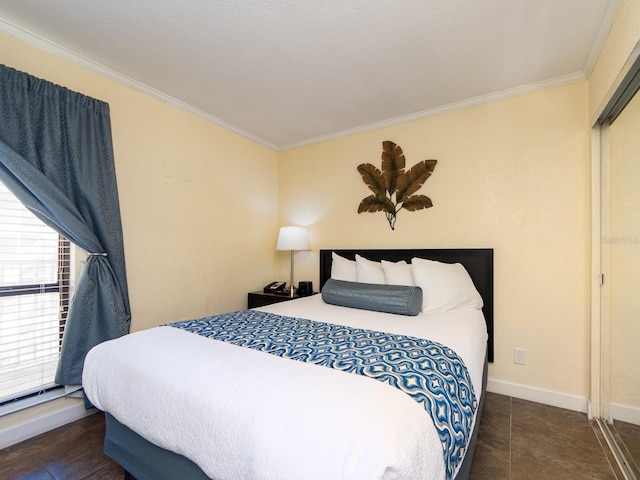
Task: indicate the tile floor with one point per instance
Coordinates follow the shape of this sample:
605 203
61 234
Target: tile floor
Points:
518 440
71 452
521 440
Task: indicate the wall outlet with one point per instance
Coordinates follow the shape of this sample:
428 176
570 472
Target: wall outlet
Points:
518 356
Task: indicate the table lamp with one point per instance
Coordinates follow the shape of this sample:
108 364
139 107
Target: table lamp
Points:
293 238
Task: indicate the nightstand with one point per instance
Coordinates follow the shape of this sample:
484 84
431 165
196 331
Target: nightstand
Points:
260 299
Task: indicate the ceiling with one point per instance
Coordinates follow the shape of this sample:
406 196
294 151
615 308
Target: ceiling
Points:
292 72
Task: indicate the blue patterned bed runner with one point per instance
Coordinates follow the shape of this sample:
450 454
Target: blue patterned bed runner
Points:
432 374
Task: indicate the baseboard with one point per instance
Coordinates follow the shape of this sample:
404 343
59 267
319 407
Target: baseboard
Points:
539 395
624 413
41 424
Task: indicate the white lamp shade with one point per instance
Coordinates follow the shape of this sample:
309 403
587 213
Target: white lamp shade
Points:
293 238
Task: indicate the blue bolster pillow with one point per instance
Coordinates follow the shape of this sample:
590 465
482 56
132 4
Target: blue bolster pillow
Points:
400 299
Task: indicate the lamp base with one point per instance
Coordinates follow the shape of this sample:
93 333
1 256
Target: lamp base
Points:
292 291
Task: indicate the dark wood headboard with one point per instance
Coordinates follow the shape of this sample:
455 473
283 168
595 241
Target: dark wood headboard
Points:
477 261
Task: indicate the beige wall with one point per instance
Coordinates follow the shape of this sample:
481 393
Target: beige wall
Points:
512 175
199 203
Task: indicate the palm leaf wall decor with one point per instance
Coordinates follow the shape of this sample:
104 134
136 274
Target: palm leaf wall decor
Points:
393 188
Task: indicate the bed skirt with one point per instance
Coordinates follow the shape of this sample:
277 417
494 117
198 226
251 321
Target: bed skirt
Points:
143 459
146 461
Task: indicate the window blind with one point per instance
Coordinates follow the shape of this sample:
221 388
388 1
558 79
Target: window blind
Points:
34 299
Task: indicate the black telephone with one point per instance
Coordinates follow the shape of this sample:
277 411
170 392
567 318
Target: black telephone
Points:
276 287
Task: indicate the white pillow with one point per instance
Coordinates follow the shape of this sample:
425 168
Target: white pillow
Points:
445 286
397 273
342 269
368 271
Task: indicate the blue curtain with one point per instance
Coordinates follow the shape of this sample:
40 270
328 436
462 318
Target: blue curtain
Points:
56 156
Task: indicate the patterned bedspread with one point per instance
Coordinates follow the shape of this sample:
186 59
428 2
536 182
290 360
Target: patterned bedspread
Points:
432 374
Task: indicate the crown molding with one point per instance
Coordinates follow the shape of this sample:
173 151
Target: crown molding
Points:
82 61
77 59
601 37
450 107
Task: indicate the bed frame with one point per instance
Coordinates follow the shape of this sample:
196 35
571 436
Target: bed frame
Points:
142 460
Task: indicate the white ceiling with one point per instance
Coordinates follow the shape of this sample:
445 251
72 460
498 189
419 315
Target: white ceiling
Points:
291 72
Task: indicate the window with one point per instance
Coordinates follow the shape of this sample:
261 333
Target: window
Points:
34 299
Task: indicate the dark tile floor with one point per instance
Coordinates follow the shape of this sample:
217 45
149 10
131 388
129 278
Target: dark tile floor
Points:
521 440
71 452
518 440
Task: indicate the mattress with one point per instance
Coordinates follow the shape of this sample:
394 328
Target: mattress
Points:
241 413
463 329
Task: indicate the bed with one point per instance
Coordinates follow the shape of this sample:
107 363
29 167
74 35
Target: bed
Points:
270 417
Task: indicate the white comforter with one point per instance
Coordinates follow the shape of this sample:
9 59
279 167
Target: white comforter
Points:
243 414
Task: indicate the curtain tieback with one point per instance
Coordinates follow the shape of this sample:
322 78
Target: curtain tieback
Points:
97 254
